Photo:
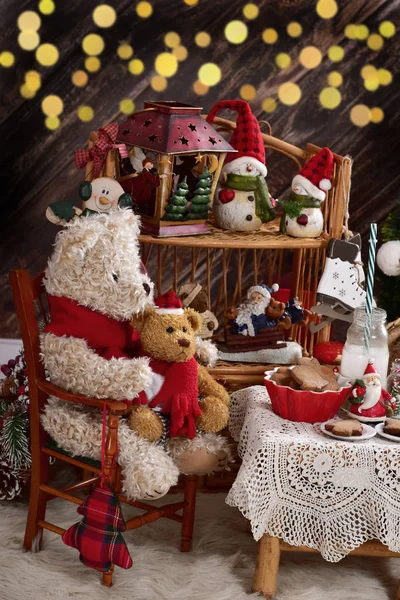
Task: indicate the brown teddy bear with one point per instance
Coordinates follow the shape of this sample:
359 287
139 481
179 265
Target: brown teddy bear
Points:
195 297
275 311
167 336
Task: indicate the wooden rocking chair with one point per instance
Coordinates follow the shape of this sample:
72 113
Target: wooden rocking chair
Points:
30 301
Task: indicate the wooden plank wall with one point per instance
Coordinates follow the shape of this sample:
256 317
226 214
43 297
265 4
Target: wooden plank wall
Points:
37 165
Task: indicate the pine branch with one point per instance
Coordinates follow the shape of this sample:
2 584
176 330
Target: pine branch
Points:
14 441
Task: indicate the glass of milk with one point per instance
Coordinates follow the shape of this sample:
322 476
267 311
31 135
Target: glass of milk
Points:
355 354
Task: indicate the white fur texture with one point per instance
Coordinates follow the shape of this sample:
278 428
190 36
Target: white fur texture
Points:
212 442
206 352
388 258
89 254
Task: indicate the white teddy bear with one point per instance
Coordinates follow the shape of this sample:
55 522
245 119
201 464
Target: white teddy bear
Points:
95 283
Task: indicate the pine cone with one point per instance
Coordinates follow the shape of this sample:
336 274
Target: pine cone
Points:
10 484
8 388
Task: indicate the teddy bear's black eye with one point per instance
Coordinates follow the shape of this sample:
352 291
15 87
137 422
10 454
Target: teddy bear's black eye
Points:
115 277
184 329
170 330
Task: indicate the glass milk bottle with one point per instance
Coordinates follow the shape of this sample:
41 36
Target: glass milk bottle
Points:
355 355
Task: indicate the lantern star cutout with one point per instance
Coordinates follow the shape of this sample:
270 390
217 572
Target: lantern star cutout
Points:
147 123
212 140
192 127
184 141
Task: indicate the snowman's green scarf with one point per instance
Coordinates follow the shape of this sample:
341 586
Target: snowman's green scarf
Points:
294 205
258 185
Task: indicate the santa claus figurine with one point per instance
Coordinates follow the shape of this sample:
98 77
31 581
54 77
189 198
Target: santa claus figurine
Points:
302 216
368 399
250 316
242 201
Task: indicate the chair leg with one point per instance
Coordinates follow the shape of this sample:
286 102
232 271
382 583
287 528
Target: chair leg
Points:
266 573
37 503
190 491
398 593
107 577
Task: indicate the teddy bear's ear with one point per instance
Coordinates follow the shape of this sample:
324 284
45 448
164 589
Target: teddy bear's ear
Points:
194 319
74 251
138 321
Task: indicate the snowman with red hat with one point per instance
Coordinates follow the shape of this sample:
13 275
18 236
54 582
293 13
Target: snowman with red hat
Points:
302 216
368 399
242 201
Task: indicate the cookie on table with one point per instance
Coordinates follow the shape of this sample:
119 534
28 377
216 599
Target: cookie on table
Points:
330 375
309 378
305 360
346 428
392 426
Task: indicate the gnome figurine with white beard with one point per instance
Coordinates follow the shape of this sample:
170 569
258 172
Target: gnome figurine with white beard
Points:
302 216
242 201
369 401
250 316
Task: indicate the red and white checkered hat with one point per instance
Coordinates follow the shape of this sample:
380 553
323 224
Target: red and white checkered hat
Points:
246 138
315 176
169 304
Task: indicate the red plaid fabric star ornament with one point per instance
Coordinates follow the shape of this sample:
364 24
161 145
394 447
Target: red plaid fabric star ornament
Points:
106 138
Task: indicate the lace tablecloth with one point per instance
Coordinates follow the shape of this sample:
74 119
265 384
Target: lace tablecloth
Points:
310 490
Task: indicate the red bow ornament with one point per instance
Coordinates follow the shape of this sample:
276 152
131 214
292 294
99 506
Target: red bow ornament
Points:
106 138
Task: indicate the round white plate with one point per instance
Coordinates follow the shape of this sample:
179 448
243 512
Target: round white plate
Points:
379 431
365 419
368 432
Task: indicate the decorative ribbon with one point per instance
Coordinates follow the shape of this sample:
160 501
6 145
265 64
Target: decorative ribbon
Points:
106 138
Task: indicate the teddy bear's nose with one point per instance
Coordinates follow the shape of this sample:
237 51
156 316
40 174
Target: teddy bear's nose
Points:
184 343
146 288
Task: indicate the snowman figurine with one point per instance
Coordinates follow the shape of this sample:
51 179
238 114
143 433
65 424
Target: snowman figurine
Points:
302 215
242 201
100 195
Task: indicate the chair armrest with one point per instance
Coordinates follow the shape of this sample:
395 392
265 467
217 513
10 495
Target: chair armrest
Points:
54 390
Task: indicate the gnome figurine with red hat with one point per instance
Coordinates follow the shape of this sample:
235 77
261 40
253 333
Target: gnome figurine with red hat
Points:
242 201
302 216
368 399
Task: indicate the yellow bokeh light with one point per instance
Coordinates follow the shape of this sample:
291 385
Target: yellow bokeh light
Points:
7 59
360 115
79 78
368 71
336 53
47 55
127 106
191 2
294 29
376 114
104 15
125 51
136 66
362 32
144 10
202 39
371 83
85 113
180 52
269 105
172 39
209 74
26 92
350 31
92 64
93 44
47 7
283 60
200 88
335 79
270 36
310 57
326 9
52 106
52 123
29 20
251 11
28 39
247 92
236 32
387 29
375 42
158 83
384 76
330 97
33 80
289 93
166 64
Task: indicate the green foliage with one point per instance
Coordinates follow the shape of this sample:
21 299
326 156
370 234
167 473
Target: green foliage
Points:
292 208
14 441
387 287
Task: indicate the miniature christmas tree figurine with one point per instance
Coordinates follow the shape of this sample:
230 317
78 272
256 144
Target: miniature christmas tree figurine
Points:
176 208
200 203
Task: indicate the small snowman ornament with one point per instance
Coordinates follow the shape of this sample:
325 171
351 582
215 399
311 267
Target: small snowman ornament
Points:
103 194
302 216
242 201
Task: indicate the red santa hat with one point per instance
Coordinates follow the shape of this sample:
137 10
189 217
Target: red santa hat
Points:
246 138
370 370
169 304
315 176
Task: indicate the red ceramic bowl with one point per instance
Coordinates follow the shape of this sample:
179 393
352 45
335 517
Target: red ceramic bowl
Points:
301 405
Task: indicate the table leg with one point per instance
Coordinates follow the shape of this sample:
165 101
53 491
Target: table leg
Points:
266 573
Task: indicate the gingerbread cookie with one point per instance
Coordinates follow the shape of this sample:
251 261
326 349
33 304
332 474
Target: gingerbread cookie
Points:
346 428
330 375
392 426
283 376
309 378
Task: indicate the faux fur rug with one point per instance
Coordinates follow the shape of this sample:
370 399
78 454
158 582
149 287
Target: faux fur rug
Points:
220 566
